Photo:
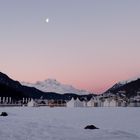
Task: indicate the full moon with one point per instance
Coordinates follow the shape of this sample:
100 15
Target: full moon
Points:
47 20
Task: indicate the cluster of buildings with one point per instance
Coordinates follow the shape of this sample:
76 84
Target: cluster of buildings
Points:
98 102
95 101
9 101
107 100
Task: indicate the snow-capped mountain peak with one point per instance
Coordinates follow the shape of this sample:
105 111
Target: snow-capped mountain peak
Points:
47 82
52 85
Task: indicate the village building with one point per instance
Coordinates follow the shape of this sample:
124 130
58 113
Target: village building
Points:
113 103
91 103
106 102
56 103
31 103
71 103
76 103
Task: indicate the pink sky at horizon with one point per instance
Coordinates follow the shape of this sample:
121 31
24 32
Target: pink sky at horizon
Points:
91 85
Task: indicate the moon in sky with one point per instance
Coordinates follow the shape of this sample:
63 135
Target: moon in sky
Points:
47 20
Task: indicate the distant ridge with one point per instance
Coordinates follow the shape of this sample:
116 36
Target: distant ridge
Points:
52 85
130 89
12 88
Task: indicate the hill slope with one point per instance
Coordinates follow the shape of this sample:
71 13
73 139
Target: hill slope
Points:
130 89
12 88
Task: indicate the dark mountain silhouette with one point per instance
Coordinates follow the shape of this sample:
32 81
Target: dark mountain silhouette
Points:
12 88
130 89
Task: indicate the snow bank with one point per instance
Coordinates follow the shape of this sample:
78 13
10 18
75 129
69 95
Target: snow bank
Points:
44 123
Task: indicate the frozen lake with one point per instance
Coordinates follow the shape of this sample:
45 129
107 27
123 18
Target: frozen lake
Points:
44 123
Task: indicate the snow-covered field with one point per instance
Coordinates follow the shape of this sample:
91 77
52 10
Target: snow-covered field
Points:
44 123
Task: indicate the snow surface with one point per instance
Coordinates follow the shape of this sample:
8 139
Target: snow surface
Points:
52 85
44 123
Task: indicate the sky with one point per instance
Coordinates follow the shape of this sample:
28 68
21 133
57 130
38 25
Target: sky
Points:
90 44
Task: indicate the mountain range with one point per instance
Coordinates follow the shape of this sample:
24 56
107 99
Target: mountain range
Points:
52 85
14 89
51 89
